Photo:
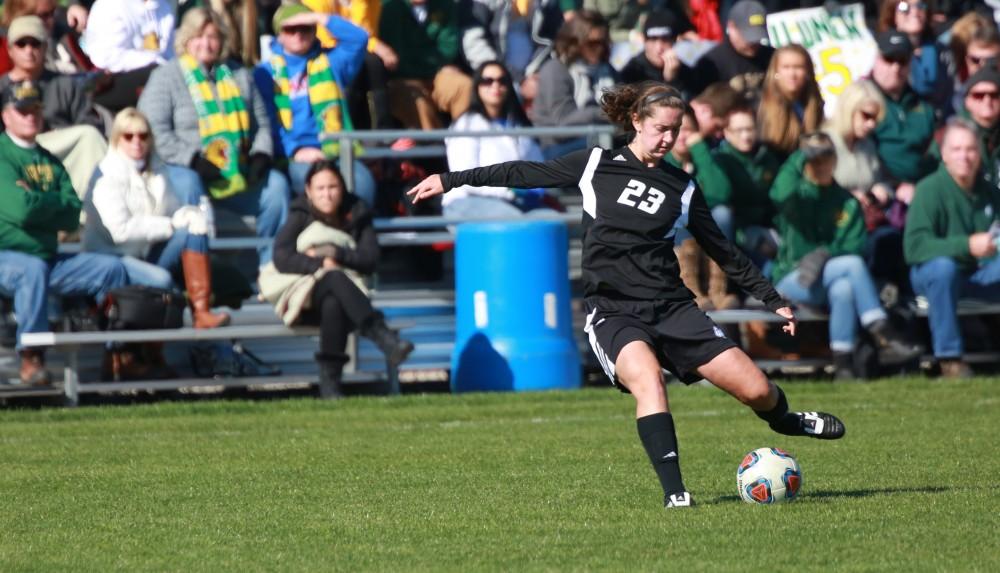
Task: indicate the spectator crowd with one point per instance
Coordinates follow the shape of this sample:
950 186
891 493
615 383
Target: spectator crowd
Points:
137 119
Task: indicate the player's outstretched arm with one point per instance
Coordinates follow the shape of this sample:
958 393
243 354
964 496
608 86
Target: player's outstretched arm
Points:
786 312
427 188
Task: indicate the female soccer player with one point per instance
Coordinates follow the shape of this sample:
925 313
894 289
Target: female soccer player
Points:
641 318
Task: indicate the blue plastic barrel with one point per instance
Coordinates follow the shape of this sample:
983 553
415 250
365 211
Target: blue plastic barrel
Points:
513 330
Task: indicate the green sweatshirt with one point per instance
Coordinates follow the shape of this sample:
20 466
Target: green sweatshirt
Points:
943 215
810 217
36 200
423 49
904 137
751 176
707 173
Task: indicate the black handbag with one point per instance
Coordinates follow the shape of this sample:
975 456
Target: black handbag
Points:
138 307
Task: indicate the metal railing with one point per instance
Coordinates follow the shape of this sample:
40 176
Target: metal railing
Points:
600 135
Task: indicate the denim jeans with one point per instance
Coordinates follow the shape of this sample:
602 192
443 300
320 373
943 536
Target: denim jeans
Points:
942 282
156 270
267 202
849 291
30 280
364 182
723 217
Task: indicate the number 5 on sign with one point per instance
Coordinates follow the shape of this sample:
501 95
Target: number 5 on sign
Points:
831 66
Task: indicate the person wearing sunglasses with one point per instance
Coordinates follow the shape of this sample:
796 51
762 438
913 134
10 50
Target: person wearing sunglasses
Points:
134 212
859 110
952 233
981 106
906 132
975 43
494 107
73 129
928 74
570 83
305 89
37 202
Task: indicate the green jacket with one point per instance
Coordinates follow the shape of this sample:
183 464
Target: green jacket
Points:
751 176
423 49
942 216
707 173
36 200
810 217
904 137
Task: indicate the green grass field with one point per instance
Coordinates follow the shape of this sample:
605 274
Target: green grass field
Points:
513 482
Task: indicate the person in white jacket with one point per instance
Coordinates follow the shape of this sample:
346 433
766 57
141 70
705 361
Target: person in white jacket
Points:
494 106
132 212
126 35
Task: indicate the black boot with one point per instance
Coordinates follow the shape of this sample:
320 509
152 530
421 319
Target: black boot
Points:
893 348
331 370
388 341
843 366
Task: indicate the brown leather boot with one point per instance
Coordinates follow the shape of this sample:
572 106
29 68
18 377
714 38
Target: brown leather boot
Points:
689 259
124 364
718 288
33 372
198 280
955 369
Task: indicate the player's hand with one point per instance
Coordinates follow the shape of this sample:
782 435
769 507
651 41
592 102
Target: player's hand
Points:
786 312
426 189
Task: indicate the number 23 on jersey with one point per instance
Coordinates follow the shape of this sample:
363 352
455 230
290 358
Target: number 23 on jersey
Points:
649 198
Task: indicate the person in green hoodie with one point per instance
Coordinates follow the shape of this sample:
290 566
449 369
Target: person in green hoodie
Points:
951 237
819 263
37 201
750 167
692 154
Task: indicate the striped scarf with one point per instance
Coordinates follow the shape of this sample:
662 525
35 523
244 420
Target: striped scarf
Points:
223 123
328 106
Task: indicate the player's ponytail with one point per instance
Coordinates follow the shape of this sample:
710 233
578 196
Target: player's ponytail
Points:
626 101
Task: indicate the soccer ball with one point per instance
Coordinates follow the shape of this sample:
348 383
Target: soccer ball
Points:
768 475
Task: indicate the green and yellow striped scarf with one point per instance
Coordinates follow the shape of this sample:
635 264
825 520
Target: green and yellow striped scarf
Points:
325 98
224 132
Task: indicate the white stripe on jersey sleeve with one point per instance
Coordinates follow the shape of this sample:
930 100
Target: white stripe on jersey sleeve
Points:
682 219
587 183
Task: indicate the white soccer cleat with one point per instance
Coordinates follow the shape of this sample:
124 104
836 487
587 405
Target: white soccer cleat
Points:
681 499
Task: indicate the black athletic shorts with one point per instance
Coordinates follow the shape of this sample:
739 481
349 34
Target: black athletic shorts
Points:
681 335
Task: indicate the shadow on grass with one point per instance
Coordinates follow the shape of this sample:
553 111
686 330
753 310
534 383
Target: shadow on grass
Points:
848 493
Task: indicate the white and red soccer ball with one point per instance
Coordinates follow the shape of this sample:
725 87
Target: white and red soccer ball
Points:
768 475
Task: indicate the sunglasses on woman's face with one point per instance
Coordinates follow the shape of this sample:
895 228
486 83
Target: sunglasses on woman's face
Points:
142 135
485 81
982 95
868 116
300 30
979 60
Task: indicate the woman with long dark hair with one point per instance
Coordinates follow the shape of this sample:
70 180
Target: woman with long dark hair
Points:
320 256
494 107
641 320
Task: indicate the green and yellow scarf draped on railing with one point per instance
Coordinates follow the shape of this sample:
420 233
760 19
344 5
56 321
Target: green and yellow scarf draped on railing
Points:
223 123
325 98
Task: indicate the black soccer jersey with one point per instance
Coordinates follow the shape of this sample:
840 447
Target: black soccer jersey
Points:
631 215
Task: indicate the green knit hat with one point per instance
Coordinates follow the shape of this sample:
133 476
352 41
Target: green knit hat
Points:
285 12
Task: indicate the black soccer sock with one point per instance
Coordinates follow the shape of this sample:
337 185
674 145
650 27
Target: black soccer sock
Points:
658 437
780 419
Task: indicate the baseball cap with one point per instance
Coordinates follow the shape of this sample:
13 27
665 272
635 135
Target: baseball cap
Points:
987 74
750 18
660 24
894 45
23 95
285 12
26 27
